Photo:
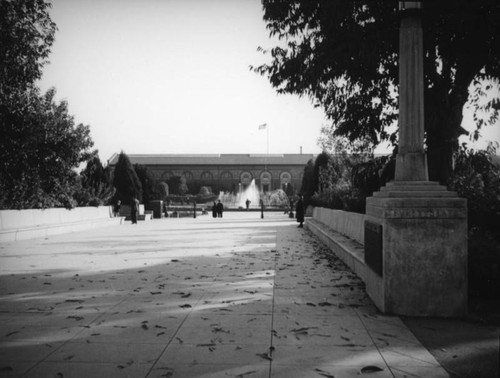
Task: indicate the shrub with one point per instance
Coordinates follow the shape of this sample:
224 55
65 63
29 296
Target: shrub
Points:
279 198
484 264
205 191
93 187
477 178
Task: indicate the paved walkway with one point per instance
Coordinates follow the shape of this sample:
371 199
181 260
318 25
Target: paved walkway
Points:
234 297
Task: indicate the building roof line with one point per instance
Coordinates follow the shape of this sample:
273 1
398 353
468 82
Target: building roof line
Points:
215 159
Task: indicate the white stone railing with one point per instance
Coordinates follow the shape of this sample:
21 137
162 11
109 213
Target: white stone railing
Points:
346 223
343 232
33 223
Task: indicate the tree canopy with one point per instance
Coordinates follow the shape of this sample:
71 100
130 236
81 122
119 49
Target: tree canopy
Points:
26 37
95 184
40 149
148 182
344 56
41 146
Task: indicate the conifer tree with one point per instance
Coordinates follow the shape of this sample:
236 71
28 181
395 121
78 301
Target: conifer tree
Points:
125 180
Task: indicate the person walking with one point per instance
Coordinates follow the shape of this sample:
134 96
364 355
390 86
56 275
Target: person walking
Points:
247 202
220 209
116 208
214 210
299 211
134 208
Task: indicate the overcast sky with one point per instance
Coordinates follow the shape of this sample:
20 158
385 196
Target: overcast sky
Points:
172 77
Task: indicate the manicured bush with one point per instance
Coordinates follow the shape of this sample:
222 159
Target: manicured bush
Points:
279 198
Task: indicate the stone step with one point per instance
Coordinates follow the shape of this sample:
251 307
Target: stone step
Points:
423 183
415 193
415 202
426 186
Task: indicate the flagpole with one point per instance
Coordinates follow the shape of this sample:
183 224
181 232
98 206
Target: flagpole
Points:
267 131
262 127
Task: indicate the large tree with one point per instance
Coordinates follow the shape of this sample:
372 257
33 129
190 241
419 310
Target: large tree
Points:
344 56
26 36
307 189
95 184
40 149
148 182
40 145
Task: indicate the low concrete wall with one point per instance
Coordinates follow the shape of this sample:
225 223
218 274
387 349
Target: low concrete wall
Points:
343 232
348 224
125 210
34 223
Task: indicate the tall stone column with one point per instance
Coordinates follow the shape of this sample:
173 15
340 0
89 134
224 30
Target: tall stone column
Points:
411 162
416 232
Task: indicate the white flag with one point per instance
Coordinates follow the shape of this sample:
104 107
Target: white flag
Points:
263 126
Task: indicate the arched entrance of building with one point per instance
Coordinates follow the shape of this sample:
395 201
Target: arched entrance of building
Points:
265 182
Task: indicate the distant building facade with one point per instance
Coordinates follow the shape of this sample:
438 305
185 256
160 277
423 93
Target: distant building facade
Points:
227 172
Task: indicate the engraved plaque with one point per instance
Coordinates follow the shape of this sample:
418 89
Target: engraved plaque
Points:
373 246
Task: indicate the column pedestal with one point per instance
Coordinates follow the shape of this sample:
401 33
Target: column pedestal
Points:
411 166
416 250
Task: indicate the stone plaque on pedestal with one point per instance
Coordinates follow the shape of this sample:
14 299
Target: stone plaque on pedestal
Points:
373 247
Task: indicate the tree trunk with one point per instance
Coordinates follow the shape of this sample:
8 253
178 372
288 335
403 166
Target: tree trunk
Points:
443 121
442 139
440 159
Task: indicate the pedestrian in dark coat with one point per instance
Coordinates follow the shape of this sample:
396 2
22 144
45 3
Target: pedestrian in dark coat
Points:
220 209
299 211
214 210
116 208
134 208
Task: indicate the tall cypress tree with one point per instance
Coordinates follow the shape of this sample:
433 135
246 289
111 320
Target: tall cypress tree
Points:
307 188
125 180
321 162
148 182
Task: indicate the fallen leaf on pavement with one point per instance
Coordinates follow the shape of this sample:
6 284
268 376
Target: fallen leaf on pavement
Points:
324 373
265 356
75 317
246 373
370 369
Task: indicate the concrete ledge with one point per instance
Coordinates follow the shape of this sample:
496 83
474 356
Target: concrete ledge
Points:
346 223
55 229
38 223
348 250
341 242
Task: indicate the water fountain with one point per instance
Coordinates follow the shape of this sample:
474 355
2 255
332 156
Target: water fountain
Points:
277 198
238 200
251 193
